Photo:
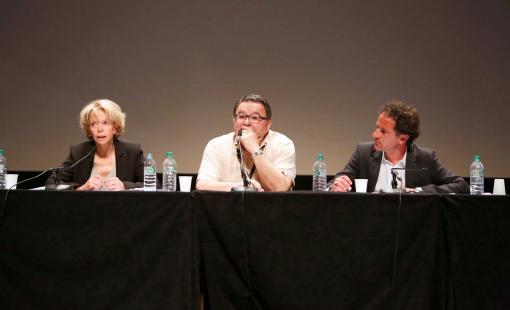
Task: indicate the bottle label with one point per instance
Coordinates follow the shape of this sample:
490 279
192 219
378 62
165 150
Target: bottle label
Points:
477 174
319 173
150 170
171 170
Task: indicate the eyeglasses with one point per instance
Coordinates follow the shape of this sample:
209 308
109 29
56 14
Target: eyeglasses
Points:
103 124
254 118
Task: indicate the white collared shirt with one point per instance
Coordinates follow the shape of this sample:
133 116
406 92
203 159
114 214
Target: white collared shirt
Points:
220 163
385 178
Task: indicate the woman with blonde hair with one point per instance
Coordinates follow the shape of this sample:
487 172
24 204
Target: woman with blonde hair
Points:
108 163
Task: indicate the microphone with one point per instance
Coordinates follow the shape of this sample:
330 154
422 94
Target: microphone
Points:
244 175
57 171
239 134
395 176
246 178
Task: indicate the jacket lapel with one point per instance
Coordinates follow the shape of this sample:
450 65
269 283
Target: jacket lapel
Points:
83 169
120 156
411 163
374 167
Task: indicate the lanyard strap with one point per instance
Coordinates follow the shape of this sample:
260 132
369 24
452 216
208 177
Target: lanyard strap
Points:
252 171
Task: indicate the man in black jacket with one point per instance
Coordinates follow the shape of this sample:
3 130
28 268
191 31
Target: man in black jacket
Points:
397 126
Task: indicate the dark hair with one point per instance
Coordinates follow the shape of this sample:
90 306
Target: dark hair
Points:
406 117
255 98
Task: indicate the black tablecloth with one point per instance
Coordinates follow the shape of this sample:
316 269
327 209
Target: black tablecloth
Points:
298 250
479 240
322 251
96 250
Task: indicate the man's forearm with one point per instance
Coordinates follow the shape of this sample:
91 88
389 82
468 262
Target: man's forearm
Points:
270 177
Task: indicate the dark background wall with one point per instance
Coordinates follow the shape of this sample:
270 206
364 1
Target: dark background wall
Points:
177 67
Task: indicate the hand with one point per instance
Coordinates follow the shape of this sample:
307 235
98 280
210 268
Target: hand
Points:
342 184
249 139
113 184
255 184
94 183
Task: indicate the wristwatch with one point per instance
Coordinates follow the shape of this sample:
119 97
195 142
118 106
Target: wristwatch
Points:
257 153
418 189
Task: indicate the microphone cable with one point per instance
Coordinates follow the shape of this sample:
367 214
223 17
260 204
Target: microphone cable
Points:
397 227
395 252
245 241
56 170
244 174
4 204
249 281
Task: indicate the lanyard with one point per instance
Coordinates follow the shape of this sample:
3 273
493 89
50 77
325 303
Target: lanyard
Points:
252 171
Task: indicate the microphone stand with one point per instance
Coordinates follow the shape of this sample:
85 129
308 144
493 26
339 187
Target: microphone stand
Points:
394 185
57 172
246 178
394 178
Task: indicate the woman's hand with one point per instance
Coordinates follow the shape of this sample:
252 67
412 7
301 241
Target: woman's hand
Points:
94 183
113 184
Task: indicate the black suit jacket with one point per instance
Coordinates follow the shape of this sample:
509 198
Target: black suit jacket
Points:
365 163
128 164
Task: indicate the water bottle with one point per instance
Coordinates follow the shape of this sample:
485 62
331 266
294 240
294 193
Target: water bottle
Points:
476 176
319 174
149 173
169 173
3 169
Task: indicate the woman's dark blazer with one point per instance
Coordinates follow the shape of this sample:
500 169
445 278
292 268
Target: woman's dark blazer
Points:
128 162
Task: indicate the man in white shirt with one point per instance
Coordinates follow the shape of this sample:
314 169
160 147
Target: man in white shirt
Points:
397 126
269 157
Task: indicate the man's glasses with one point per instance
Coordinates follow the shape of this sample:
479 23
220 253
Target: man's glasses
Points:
254 118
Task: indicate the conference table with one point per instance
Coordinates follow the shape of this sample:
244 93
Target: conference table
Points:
215 250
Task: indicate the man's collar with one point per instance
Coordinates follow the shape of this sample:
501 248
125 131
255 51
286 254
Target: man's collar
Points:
400 163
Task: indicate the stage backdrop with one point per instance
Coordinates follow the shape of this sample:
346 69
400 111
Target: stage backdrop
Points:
177 67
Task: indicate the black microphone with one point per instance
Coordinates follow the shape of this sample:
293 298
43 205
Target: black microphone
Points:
244 174
246 178
240 152
57 171
54 170
396 177
78 161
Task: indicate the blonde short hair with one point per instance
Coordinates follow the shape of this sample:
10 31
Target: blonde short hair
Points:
112 111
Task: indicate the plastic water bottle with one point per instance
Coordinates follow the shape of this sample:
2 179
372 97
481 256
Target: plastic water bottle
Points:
476 176
149 173
169 173
3 169
319 173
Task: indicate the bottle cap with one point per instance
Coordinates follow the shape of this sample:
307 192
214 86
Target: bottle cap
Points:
149 156
169 154
476 157
320 157
1 152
